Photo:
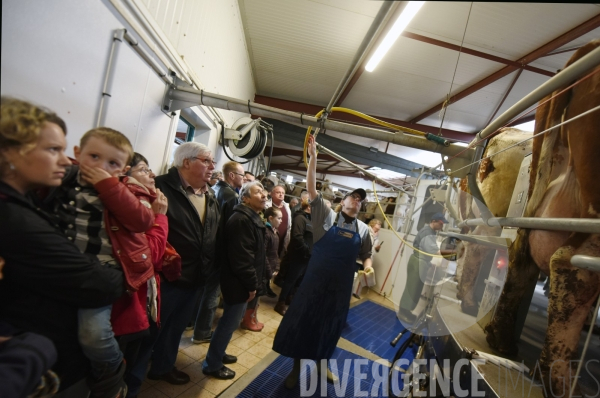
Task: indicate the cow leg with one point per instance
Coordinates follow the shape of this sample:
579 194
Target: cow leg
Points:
473 257
521 271
470 263
567 312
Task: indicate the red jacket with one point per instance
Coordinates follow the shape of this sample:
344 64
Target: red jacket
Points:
128 214
129 313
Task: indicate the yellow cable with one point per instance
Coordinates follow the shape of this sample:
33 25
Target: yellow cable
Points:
395 233
361 115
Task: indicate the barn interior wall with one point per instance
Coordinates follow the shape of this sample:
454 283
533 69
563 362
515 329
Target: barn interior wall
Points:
55 54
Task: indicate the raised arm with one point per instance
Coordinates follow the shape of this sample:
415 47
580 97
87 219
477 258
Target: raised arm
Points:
311 173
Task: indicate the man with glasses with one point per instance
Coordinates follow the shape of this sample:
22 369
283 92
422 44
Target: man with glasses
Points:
226 191
193 222
227 197
313 323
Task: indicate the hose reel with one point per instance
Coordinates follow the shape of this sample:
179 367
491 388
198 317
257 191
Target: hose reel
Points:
247 138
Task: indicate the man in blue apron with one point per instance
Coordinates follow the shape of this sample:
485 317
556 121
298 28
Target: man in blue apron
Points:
314 321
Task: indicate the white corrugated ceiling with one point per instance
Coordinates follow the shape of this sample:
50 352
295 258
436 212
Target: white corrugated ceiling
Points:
300 50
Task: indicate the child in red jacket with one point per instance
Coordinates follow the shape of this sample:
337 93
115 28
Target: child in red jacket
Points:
104 218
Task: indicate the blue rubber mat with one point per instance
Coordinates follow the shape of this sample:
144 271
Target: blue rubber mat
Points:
372 327
270 382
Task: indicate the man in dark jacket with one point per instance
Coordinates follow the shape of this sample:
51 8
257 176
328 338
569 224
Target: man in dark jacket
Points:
241 274
227 198
193 221
226 191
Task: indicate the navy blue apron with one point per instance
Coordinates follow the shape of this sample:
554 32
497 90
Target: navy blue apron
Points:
314 321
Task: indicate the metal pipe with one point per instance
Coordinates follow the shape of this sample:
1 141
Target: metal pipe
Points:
342 159
448 202
193 97
423 204
108 78
586 262
474 239
407 225
170 140
584 225
133 7
146 57
170 60
472 181
563 78
378 24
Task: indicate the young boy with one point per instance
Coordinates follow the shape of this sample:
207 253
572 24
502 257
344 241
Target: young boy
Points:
90 199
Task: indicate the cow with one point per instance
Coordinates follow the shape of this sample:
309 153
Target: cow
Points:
564 169
494 176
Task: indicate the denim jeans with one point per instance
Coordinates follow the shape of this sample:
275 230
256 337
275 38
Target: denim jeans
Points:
177 304
206 306
98 341
229 322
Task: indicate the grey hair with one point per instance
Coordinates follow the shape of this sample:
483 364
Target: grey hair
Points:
245 192
188 150
304 194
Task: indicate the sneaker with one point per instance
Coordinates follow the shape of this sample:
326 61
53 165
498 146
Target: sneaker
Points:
203 340
190 326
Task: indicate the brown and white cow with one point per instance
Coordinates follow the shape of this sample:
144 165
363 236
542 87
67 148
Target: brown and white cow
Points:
495 178
563 183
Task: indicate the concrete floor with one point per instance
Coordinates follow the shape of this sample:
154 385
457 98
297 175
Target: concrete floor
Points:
253 350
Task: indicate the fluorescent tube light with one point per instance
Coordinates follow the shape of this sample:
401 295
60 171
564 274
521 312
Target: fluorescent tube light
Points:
401 23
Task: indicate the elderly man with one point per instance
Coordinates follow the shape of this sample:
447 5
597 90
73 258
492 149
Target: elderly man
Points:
241 274
193 222
227 197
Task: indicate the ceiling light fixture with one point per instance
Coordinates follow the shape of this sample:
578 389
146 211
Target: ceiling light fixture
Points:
401 23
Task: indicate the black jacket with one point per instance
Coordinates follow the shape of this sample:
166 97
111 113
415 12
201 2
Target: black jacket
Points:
46 280
227 199
194 241
301 241
244 264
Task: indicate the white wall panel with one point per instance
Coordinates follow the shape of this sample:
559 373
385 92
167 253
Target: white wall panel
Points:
56 55
209 36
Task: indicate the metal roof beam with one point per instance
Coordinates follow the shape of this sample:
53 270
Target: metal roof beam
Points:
552 45
294 135
314 109
475 53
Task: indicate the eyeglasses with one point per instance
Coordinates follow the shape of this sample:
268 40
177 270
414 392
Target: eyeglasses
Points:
242 175
207 161
144 170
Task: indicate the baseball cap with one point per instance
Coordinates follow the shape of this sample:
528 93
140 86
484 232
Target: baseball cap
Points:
360 191
439 216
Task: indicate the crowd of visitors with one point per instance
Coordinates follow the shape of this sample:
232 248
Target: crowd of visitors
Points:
103 264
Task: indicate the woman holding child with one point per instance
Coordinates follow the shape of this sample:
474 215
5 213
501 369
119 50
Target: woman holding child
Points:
46 277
